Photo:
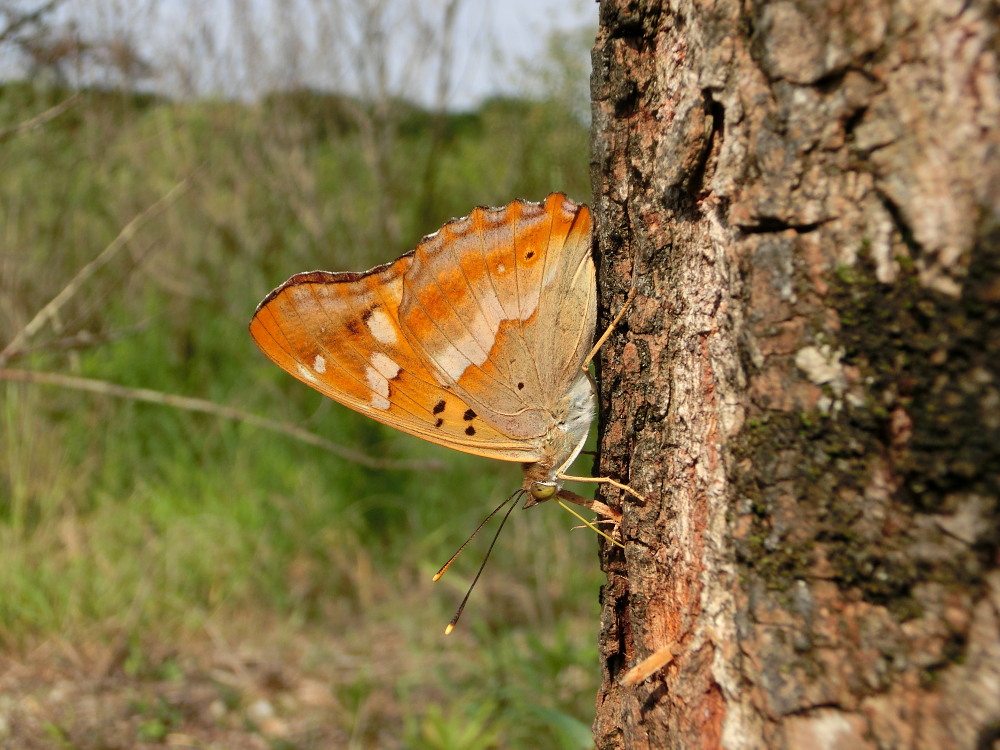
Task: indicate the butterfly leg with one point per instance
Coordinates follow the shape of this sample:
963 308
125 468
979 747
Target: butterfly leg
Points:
605 480
610 328
614 516
600 342
611 516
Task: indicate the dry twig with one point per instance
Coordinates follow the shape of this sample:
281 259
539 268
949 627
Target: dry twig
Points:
49 311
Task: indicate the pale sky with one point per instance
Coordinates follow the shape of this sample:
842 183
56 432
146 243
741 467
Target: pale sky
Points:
243 48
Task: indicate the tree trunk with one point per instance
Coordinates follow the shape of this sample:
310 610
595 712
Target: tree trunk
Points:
807 388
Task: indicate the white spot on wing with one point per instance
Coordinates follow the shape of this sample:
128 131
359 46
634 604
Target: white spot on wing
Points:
379 386
305 372
381 327
319 364
378 374
385 366
454 362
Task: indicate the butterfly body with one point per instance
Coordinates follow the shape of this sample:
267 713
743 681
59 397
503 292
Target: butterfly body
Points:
564 440
476 340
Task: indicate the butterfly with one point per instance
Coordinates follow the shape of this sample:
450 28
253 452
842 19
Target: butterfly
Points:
477 340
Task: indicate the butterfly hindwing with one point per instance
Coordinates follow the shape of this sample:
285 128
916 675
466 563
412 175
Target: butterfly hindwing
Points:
567 314
507 332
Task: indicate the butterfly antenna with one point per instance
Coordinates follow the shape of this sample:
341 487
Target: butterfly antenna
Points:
454 620
473 534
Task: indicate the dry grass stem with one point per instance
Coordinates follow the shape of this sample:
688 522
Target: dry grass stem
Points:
187 403
38 120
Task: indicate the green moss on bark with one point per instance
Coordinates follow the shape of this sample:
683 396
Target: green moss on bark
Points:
930 373
938 358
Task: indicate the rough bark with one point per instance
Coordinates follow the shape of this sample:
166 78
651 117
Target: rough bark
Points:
807 198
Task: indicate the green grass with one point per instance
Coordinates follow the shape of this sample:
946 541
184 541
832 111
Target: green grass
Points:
149 525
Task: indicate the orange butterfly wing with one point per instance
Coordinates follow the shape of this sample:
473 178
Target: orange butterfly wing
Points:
503 306
337 332
457 342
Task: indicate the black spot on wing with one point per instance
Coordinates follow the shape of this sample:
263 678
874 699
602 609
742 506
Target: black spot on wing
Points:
520 386
469 415
439 406
470 430
439 422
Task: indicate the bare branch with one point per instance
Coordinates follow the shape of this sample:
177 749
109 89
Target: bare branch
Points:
187 403
28 18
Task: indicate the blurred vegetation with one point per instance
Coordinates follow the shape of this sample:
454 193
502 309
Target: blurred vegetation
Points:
139 523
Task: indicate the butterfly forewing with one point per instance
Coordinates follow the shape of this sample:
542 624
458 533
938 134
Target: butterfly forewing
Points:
339 333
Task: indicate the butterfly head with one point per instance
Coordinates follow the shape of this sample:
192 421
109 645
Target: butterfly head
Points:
540 491
541 481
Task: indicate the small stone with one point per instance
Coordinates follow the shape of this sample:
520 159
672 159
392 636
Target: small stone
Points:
260 710
217 710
